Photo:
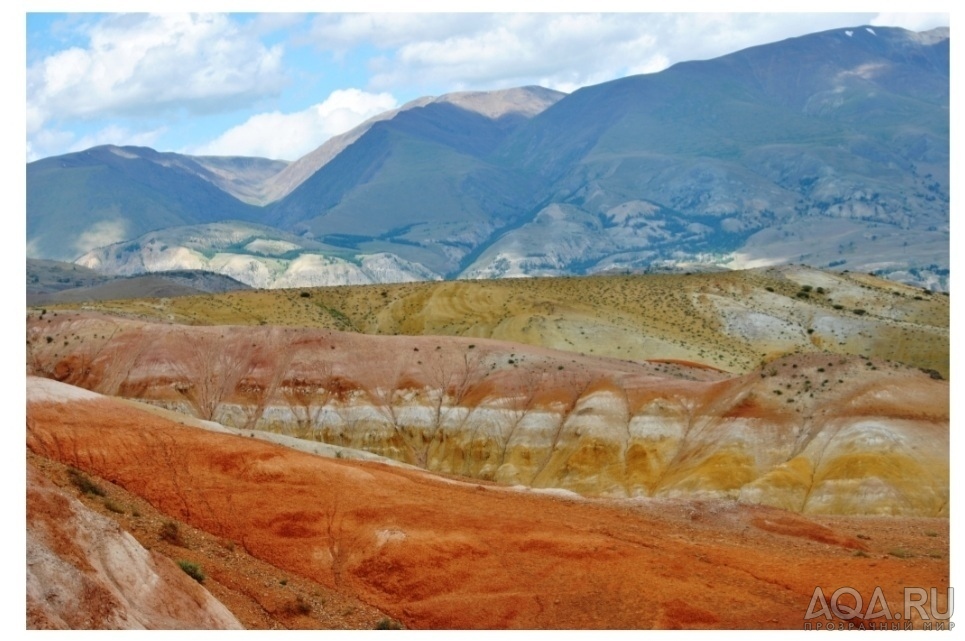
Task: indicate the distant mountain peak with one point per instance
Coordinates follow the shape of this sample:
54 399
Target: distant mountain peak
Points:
524 101
931 36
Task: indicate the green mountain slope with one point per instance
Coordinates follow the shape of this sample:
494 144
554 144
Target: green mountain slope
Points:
92 198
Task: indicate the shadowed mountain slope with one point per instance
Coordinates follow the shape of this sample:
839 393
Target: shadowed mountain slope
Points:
507 105
51 282
418 183
92 198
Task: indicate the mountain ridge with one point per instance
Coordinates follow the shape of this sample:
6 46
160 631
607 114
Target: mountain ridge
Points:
726 162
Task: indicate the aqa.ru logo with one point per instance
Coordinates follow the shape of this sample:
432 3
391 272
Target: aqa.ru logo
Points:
847 606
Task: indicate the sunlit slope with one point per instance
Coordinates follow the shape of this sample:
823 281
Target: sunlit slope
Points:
729 320
501 558
813 433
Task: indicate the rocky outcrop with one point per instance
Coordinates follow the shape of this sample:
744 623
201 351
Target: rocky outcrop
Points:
84 572
255 255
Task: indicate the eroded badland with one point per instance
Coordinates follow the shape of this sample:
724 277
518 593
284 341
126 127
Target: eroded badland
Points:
661 451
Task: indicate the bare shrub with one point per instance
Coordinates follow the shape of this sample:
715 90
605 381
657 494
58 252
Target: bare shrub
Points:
210 371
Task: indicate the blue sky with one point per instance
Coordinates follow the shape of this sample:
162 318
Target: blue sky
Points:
278 85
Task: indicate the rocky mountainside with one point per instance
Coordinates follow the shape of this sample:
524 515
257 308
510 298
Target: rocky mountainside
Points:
731 162
259 256
742 158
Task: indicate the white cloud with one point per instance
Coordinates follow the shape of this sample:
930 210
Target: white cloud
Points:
561 51
341 32
148 64
292 135
139 70
47 142
911 21
265 23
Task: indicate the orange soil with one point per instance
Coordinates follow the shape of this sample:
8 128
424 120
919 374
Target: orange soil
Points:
444 553
261 596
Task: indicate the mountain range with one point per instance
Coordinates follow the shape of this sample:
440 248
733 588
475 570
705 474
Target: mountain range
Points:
830 149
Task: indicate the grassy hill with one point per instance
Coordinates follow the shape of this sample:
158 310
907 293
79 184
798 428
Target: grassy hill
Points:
729 320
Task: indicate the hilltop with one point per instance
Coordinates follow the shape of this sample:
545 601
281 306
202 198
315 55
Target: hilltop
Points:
733 321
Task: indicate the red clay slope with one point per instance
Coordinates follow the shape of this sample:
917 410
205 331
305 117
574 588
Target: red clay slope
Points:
443 553
810 433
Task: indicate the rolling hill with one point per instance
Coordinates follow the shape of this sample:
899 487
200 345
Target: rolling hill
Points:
732 320
50 282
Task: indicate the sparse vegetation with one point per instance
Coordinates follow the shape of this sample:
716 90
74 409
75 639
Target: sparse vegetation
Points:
668 309
299 606
388 624
83 483
171 532
193 570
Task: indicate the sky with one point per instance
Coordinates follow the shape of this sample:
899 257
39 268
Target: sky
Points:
278 85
